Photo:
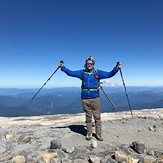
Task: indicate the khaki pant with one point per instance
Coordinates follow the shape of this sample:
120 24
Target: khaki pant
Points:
92 108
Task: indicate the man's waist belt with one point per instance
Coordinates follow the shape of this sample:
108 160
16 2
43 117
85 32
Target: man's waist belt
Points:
90 89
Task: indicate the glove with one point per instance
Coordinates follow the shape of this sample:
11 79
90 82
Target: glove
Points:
61 64
118 65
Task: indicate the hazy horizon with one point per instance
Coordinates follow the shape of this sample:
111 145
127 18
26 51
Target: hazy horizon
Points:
149 86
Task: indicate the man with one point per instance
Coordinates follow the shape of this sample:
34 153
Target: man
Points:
90 92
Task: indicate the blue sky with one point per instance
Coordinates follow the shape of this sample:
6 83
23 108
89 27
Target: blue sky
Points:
36 34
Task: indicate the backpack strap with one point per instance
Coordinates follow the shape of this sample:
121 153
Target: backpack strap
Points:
95 75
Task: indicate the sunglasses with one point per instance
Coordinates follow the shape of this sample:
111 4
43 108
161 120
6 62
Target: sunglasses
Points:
89 63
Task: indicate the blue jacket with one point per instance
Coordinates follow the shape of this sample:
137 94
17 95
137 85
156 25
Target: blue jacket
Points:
90 83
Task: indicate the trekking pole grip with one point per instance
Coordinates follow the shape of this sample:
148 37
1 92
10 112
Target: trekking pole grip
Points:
118 63
61 63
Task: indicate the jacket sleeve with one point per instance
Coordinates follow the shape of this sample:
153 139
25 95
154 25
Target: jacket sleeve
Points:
104 74
77 74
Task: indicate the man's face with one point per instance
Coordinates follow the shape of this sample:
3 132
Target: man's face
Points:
90 65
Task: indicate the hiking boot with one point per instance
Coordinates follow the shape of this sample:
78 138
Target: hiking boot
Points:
99 137
88 136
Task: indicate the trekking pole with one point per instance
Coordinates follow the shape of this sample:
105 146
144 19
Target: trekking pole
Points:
46 82
107 97
125 91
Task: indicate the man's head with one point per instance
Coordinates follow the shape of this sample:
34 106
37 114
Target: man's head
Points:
90 61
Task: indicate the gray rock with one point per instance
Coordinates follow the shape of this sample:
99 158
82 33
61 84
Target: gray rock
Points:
18 159
93 144
152 129
23 139
55 144
49 156
68 149
138 147
9 135
149 159
94 159
158 154
150 152
121 156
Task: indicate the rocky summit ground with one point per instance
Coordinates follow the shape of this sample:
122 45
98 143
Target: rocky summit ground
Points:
61 138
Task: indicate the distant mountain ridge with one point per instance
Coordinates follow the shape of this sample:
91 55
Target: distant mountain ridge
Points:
15 102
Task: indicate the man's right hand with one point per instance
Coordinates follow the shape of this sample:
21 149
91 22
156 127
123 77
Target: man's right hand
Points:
61 64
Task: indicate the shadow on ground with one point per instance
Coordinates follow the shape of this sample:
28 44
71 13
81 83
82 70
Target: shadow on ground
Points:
79 129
